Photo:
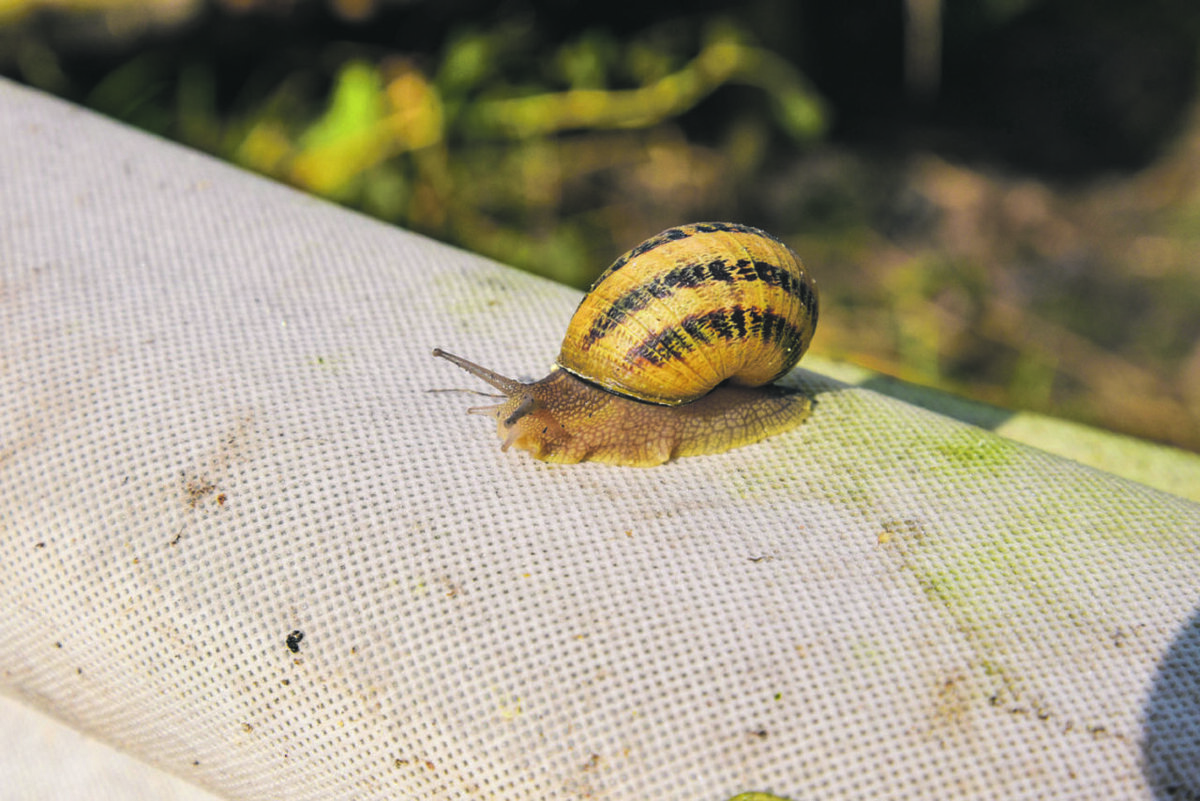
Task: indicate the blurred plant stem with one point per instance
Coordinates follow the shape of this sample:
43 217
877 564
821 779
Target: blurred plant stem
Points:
724 59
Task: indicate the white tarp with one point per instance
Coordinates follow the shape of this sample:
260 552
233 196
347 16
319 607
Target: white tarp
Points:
218 430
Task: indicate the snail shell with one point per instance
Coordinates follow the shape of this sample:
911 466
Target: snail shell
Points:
668 353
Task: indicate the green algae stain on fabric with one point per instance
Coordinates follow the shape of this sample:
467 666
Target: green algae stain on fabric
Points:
486 297
975 449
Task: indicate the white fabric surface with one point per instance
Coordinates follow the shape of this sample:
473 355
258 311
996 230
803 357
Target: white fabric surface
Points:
41 759
217 427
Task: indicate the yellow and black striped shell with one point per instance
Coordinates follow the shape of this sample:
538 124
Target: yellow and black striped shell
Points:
690 308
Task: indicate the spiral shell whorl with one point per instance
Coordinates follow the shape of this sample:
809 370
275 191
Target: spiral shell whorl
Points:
692 307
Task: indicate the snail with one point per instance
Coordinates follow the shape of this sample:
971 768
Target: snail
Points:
671 353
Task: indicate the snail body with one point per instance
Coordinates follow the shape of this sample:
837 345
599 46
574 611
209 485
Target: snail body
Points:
671 353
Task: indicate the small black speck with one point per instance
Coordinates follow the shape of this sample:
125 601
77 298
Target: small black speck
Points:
58 645
40 545
293 641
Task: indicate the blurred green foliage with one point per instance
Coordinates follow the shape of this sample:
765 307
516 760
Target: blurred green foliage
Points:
484 148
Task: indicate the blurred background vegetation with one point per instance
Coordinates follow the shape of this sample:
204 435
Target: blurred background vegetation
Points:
999 198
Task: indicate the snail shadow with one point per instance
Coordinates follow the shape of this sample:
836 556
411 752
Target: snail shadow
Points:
805 383
1171 720
975 413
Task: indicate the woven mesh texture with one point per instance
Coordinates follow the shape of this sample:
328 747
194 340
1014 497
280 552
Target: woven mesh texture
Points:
218 431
